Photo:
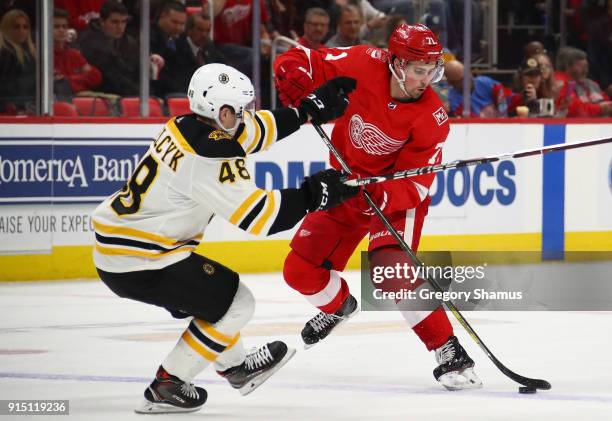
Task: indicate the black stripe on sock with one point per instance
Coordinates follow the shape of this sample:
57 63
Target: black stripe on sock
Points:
218 348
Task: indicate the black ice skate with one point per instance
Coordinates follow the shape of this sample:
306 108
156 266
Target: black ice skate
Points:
321 325
258 366
168 394
456 369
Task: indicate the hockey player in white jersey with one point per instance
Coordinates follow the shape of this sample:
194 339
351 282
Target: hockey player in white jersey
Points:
195 170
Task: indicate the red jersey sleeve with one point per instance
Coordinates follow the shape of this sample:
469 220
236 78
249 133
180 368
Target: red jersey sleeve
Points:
326 63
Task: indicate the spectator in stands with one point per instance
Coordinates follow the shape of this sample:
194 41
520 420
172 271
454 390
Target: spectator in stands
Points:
72 73
81 12
164 35
374 20
17 62
106 45
195 47
316 27
600 49
488 99
234 32
527 82
548 87
348 30
533 48
583 95
301 7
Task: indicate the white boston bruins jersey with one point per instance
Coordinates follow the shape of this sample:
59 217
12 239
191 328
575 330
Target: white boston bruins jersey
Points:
189 174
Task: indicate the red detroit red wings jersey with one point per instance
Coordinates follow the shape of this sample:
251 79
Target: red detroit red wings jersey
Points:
377 134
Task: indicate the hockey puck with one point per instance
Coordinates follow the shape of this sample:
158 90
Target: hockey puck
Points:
527 389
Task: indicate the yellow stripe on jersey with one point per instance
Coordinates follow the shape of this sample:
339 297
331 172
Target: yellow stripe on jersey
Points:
270 205
218 336
257 136
233 342
270 125
243 137
113 251
133 232
244 206
246 139
252 135
197 347
178 136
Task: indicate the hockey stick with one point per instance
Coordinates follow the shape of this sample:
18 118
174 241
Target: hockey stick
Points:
474 161
525 381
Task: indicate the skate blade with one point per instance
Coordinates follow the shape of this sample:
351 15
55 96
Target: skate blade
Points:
357 310
258 381
464 380
148 407
308 346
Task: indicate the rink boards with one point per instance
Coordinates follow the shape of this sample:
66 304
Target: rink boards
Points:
53 175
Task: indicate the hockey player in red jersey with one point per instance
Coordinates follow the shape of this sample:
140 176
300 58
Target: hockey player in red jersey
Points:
394 121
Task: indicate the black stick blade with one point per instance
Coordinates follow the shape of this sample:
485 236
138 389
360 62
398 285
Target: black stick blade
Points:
539 384
525 381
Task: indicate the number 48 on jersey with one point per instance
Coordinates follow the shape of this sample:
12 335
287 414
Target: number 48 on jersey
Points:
230 169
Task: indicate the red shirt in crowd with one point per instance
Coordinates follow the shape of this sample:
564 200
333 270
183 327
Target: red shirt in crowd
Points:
81 12
234 24
581 97
69 63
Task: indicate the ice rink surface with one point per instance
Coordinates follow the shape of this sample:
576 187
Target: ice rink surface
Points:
75 340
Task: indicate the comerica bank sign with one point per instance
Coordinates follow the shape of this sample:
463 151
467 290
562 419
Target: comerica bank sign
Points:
65 170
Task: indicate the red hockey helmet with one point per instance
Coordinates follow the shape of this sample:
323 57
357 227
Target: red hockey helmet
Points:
415 43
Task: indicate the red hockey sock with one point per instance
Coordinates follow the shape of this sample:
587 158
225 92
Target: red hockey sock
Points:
335 304
434 330
323 288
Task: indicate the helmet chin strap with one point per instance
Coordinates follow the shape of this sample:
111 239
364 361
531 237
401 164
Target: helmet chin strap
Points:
400 80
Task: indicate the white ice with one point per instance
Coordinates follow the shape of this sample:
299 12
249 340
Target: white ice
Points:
75 340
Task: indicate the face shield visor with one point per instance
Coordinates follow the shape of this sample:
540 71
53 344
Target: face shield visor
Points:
414 70
417 71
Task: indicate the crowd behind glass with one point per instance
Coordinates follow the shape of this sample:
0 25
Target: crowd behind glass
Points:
96 52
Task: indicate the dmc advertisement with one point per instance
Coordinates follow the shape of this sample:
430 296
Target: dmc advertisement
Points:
50 184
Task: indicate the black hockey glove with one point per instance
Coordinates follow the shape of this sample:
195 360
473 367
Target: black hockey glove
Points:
325 190
328 101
